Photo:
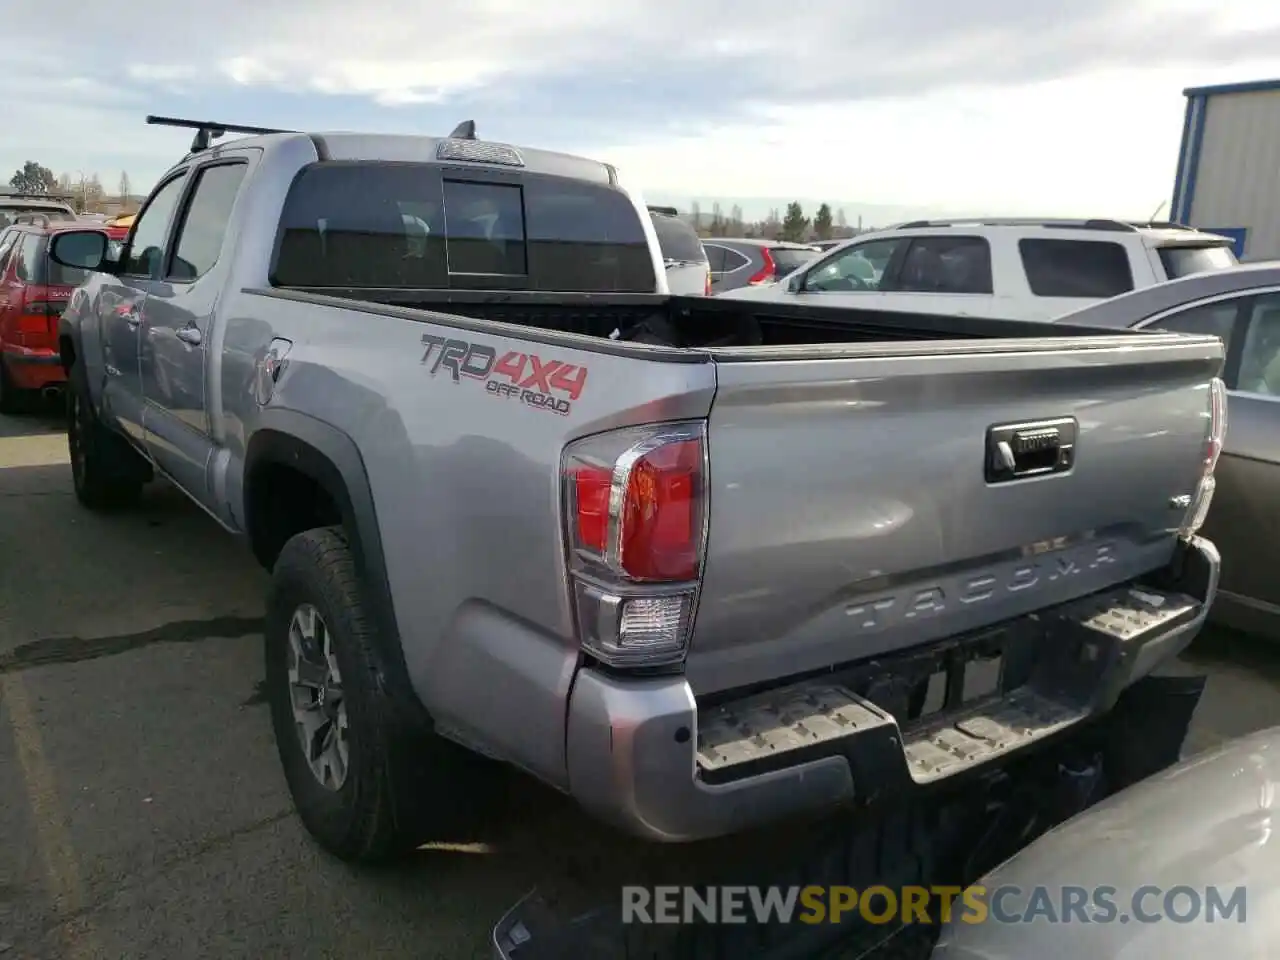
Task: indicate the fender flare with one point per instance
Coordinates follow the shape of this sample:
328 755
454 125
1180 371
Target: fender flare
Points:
76 368
331 458
71 331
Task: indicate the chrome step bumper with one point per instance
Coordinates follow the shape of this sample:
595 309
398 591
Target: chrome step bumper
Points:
644 755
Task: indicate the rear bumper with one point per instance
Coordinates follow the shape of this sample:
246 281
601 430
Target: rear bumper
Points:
633 745
33 369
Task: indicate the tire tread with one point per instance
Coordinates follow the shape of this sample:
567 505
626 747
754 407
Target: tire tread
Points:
412 784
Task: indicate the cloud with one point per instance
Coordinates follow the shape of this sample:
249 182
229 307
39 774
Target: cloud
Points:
160 72
917 102
831 51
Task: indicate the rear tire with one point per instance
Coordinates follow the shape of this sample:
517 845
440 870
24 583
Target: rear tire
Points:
107 473
378 807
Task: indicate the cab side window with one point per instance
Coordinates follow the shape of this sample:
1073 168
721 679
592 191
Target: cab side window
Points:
204 226
1260 352
150 230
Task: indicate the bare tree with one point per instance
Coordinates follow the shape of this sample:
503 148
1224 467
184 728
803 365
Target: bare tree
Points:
717 220
841 220
88 192
125 187
695 216
735 220
771 226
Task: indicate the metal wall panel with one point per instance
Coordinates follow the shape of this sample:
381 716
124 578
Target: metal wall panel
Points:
1236 178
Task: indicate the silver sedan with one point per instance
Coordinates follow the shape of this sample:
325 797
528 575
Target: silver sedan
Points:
1242 306
1182 854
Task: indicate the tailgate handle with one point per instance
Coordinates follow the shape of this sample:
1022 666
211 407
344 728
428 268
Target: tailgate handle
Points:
1016 451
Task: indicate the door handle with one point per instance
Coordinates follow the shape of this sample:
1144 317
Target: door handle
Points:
189 335
1015 451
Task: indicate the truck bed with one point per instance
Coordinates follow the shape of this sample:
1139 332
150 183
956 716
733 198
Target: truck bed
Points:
697 322
854 509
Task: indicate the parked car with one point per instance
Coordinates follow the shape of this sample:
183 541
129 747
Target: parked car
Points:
34 289
1242 307
1011 269
358 406
688 270
1203 827
748 263
13 205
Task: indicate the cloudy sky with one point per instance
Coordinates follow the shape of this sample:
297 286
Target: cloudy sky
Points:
991 106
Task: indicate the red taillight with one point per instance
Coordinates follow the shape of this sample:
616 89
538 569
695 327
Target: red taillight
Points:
591 499
659 539
1217 424
1202 498
636 506
37 317
653 531
766 272
32 323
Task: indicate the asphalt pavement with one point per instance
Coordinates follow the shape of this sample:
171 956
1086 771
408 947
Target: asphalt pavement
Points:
142 811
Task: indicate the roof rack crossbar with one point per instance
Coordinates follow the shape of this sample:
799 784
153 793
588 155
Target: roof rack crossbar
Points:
209 130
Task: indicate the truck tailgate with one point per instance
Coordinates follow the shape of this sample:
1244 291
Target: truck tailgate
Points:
853 510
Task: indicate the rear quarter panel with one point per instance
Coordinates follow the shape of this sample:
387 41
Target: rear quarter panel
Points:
466 487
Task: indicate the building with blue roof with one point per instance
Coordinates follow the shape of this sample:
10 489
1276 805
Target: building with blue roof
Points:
1228 177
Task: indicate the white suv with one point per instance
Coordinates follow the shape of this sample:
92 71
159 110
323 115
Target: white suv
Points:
1008 269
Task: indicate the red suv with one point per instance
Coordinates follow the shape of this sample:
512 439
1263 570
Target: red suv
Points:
33 292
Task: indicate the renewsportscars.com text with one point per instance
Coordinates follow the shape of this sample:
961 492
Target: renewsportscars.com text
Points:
972 905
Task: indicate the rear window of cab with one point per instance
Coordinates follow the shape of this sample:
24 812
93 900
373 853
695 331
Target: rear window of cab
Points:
420 226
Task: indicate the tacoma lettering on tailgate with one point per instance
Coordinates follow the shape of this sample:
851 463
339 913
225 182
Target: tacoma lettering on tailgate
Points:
926 600
525 377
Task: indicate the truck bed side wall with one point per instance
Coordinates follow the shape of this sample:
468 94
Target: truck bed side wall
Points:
465 482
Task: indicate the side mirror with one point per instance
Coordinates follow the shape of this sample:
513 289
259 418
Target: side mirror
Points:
80 249
796 283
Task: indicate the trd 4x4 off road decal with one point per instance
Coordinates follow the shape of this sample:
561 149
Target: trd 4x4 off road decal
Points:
526 377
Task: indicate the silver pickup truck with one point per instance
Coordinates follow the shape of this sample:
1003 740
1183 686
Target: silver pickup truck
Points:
700 564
